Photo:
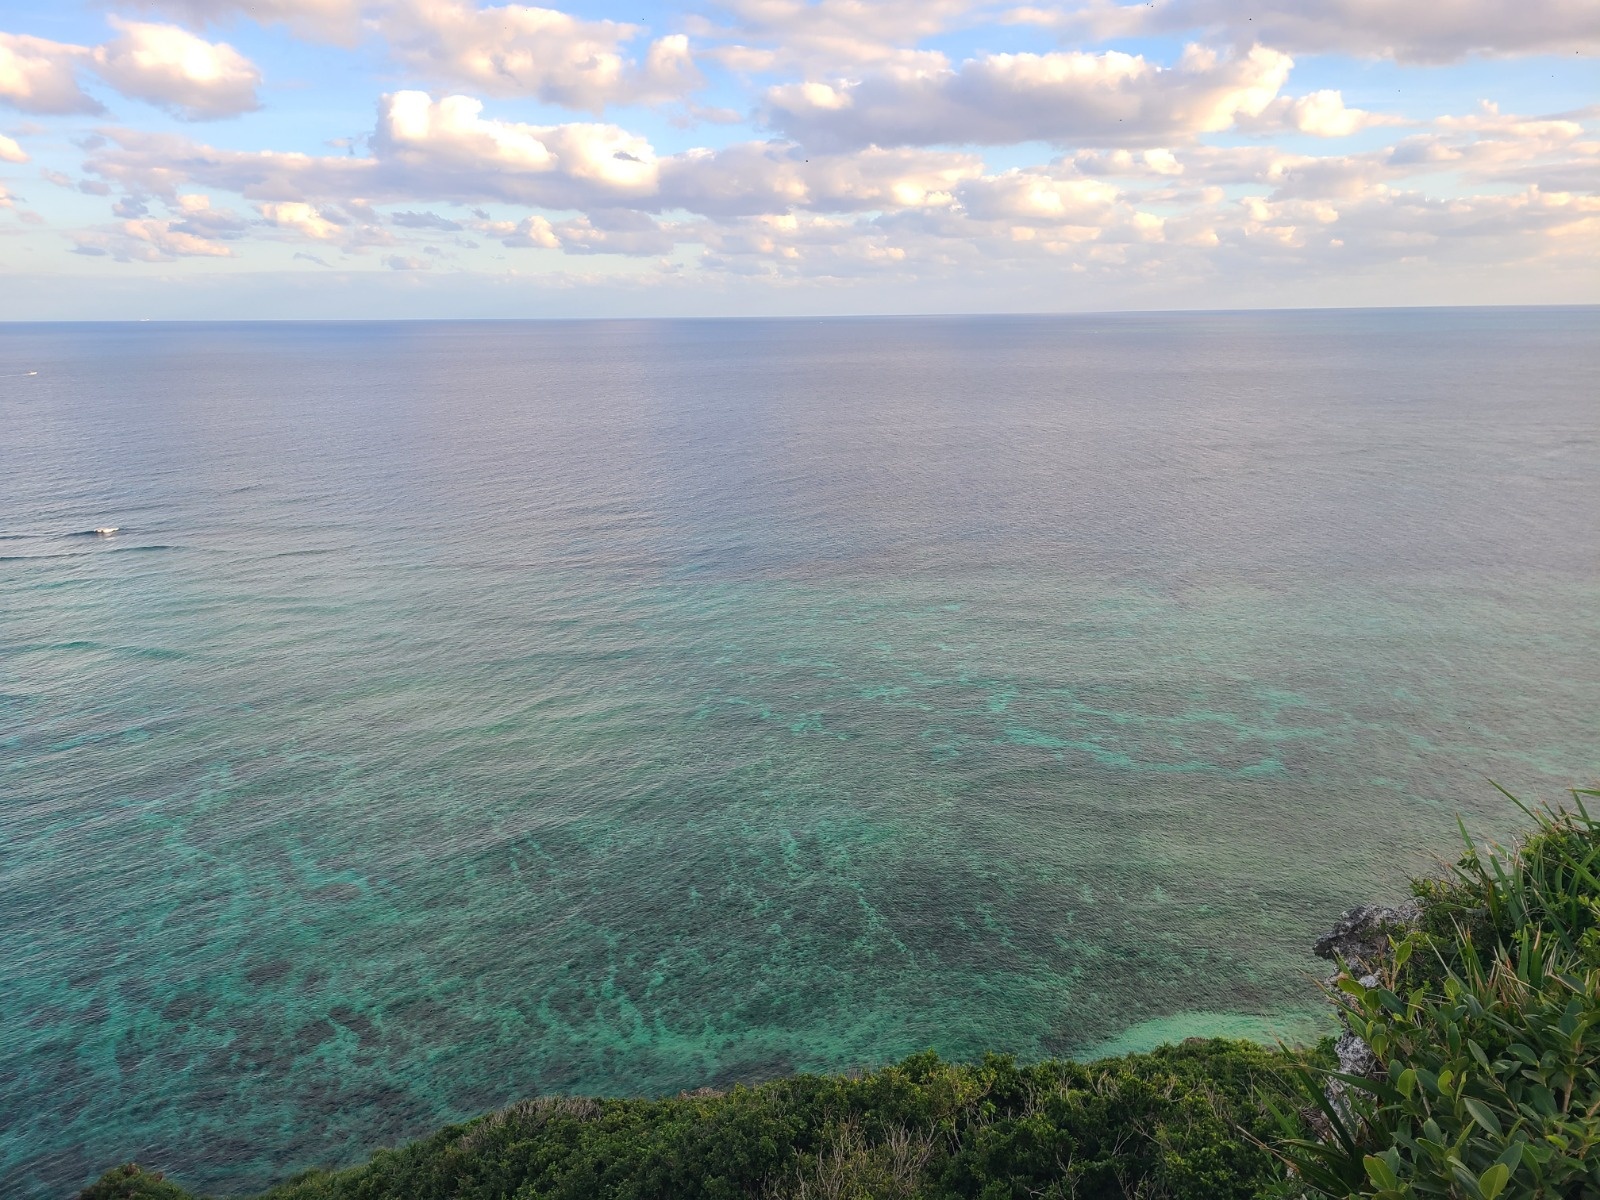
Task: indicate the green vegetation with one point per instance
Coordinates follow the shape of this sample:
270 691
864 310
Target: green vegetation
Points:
1484 1021
1161 1124
1486 1024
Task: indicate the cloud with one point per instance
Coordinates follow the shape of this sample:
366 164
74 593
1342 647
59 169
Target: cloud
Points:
10 151
502 50
160 64
1323 114
1007 98
778 211
424 220
820 36
516 50
300 218
169 241
148 239
337 21
617 232
1432 31
559 165
1318 114
40 76
351 224
446 150
530 233
172 68
752 178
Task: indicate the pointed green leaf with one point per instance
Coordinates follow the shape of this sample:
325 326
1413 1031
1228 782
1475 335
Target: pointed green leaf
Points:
1482 1114
1380 1172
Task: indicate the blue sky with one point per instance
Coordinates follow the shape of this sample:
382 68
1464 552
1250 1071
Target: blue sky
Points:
346 158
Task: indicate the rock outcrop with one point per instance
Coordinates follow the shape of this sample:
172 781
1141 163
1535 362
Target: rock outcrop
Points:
1360 940
1361 937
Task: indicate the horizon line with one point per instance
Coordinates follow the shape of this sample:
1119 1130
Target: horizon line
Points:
863 316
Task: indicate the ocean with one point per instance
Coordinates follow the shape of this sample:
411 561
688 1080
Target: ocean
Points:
462 712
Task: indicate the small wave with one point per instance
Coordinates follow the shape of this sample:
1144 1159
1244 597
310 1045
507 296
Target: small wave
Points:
102 531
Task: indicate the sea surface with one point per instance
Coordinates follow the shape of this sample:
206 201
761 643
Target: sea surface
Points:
463 712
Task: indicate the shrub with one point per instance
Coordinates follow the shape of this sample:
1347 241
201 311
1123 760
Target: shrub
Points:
1487 1029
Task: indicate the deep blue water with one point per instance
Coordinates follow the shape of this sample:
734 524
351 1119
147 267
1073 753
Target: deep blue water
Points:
467 711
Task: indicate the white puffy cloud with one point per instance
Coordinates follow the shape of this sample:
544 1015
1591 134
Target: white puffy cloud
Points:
558 164
337 21
498 50
779 211
1061 97
619 232
301 218
10 151
160 64
149 239
447 150
517 50
1036 197
170 67
1428 31
757 36
763 177
169 241
40 76
1323 114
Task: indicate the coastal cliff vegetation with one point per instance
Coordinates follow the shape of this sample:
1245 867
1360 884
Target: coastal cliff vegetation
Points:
1468 1067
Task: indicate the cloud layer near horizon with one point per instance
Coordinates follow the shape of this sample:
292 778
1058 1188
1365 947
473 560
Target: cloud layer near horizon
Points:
807 143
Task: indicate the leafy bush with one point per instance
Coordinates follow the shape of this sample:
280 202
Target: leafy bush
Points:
1487 1031
1165 1125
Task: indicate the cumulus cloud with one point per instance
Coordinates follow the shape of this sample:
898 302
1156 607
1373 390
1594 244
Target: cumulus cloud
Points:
149 239
174 69
752 178
1323 114
10 151
756 36
1320 114
1008 98
300 218
337 21
778 210
1432 32
516 50
160 64
617 232
447 150
40 76
561 165
424 220
499 50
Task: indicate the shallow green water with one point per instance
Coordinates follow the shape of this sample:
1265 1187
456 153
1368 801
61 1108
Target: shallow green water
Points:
466 712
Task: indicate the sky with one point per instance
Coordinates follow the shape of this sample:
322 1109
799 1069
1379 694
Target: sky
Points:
443 158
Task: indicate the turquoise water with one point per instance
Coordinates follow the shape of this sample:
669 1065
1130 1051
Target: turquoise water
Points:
464 712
